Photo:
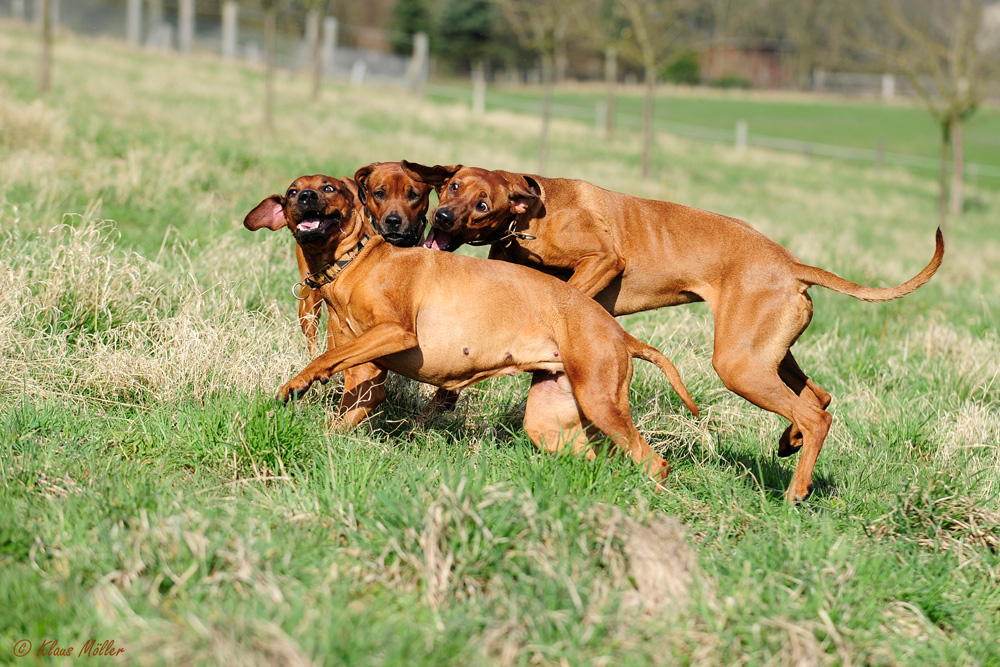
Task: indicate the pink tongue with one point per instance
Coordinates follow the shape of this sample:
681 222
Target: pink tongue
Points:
437 240
307 225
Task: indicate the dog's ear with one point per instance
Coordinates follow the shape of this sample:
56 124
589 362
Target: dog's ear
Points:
269 213
361 180
436 176
526 199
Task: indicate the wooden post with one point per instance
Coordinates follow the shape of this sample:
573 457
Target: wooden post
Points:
478 89
310 40
611 79
133 22
416 74
155 22
329 45
229 15
17 9
741 136
185 28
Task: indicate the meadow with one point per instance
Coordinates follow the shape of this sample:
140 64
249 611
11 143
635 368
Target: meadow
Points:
154 494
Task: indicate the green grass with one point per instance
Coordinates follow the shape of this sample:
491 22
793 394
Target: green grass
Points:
901 128
151 491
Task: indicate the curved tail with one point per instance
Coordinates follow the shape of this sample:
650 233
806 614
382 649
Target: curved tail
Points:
649 353
813 275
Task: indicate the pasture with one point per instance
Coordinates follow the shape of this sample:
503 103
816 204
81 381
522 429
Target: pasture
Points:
153 493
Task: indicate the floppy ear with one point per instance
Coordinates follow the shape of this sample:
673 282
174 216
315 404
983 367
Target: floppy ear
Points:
435 176
269 213
361 179
523 200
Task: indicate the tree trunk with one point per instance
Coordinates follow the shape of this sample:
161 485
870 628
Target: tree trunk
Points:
647 121
543 140
943 172
269 30
45 69
957 168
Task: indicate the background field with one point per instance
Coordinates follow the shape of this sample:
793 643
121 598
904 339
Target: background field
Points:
151 492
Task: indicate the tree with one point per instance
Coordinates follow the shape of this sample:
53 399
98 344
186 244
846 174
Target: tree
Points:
950 56
408 18
465 31
656 30
540 26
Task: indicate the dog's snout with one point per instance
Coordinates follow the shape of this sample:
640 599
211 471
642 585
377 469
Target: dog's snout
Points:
444 218
393 221
307 197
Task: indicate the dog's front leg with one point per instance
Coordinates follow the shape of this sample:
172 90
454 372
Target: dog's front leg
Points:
595 272
379 341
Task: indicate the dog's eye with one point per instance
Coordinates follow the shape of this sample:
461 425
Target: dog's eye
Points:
454 187
292 192
328 188
379 195
482 207
413 195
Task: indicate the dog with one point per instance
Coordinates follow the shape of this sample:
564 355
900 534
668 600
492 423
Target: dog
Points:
396 207
633 254
452 321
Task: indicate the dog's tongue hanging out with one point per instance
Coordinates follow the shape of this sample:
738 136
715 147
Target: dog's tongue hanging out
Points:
437 239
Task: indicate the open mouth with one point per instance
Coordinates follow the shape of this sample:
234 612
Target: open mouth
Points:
441 240
312 228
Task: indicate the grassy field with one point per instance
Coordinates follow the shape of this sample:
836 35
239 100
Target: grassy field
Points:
902 127
152 493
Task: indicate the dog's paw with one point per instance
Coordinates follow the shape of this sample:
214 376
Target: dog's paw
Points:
293 389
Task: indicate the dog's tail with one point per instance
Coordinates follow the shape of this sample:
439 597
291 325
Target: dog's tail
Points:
813 275
649 353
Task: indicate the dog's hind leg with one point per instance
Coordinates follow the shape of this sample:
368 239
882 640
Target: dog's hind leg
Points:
791 440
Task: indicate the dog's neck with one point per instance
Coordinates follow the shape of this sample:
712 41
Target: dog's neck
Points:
326 261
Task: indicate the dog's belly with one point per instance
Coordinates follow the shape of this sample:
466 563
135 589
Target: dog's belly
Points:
455 351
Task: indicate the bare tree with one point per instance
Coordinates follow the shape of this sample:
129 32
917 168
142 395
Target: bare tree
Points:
655 30
45 68
540 26
950 54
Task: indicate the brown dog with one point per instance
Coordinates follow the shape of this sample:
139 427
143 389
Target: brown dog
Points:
634 254
438 318
396 206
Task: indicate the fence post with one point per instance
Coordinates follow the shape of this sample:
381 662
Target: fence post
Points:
416 75
229 14
329 45
133 22
185 27
310 40
611 79
600 117
155 23
478 89
17 9
358 72
741 136
888 86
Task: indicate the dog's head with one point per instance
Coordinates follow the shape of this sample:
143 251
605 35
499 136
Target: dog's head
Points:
396 202
314 208
476 205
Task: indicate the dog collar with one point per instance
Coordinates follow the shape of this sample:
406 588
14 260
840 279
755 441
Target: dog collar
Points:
329 273
511 234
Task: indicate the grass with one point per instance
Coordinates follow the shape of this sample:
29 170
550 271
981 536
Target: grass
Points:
903 127
152 493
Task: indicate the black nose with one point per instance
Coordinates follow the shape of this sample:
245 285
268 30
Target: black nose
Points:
444 218
393 221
